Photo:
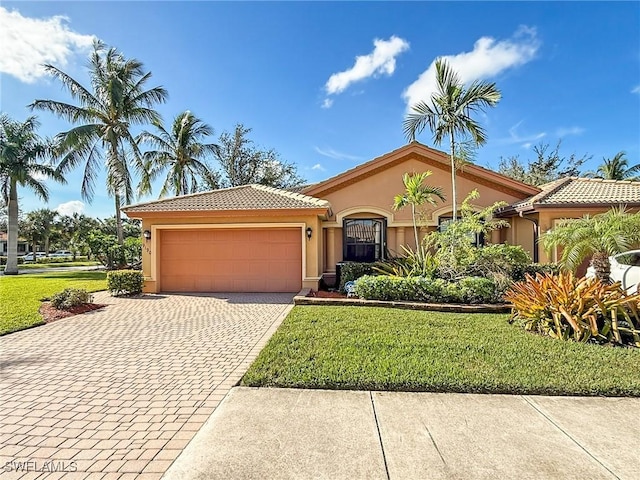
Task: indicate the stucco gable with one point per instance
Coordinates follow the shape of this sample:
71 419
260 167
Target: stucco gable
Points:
432 160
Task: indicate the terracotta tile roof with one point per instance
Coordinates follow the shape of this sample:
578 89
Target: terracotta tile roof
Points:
584 191
245 197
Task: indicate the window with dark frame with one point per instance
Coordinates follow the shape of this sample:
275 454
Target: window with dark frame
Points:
363 239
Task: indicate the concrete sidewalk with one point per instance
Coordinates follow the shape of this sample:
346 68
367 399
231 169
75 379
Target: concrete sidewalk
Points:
302 434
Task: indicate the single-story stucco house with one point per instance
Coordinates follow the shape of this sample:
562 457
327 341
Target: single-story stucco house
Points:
259 239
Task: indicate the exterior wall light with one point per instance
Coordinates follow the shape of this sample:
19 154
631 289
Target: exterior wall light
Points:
309 232
147 234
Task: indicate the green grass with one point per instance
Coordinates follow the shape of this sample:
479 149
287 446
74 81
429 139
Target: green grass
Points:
32 266
21 295
367 348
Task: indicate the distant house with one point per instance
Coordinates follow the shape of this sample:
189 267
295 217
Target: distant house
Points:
260 239
23 246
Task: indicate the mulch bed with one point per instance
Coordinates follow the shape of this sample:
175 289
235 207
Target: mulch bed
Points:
325 294
50 313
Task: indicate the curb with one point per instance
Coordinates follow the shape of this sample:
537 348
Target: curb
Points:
302 299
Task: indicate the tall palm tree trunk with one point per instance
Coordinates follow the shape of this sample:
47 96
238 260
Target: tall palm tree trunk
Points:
415 225
113 144
119 232
454 192
602 267
12 232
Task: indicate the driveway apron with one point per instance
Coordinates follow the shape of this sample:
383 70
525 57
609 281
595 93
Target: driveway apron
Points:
119 392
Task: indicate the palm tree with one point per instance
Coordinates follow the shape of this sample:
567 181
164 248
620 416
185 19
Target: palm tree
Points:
600 236
616 168
105 112
183 153
44 220
21 154
416 194
449 114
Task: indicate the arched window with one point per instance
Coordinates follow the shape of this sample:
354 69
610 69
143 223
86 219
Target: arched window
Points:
364 239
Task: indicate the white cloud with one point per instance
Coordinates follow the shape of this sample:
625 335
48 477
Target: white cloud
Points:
381 61
525 139
331 153
564 131
327 103
487 59
70 207
636 89
27 43
318 167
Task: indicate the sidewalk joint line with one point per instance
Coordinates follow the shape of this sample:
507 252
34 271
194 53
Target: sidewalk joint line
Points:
539 410
375 417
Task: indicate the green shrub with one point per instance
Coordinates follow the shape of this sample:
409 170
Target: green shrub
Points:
70 297
477 290
500 258
418 263
424 289
125 282
351 271
542 268
3 260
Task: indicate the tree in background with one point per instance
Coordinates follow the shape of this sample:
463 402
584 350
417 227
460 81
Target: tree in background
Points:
31 231
130 227
616 168
74 231
183 154
449 114
242 163
598 237
546 167
22 154
416 194
116 100
43 221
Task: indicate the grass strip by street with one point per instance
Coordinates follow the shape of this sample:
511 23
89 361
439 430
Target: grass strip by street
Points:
367 348
21 295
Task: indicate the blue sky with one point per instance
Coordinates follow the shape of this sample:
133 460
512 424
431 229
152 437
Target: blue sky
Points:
327 84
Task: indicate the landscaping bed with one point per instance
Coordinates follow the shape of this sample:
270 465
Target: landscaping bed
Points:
50 313
369 348
22 295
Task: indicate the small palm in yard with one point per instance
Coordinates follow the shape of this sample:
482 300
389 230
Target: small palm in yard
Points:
600 236
416 194
448 113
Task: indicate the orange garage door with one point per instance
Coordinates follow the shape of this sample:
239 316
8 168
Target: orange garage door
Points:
231 260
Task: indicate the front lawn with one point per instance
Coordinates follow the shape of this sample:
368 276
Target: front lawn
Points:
368 348
20 295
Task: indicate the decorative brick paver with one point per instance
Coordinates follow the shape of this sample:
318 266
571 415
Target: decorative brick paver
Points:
119 392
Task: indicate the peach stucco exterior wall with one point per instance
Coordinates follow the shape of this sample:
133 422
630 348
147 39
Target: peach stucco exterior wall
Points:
372 197
520 231
312 248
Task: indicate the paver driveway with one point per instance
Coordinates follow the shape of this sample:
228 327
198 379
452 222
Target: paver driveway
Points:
119 392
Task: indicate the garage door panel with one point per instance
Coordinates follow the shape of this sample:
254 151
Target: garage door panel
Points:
231 260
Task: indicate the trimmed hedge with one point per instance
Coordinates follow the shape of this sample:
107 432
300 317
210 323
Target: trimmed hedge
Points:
125 282
472 290
70 297
350 271
3 260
